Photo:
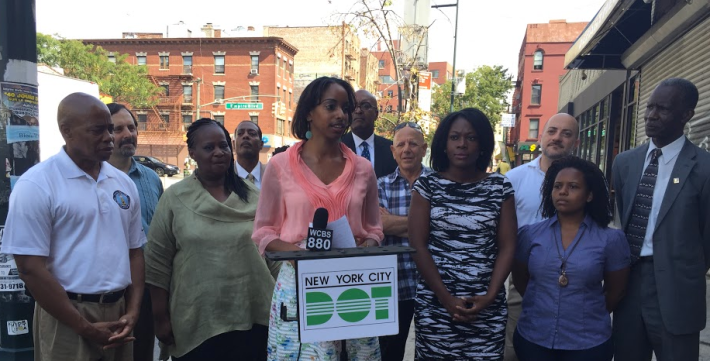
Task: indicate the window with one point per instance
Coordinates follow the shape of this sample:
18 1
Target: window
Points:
533 129
289 100
255 93
219 64
386 79
381 64
277 63
187 118
219 119
536 94
283 99
164 62
280 126
166 89
165 117
291 66
255 63
390 93
435 74
187 93
218 92
141 59
388 109
142 118
254 119
112 58
537 60
187 64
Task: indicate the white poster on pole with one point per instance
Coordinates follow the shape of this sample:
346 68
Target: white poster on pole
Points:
344 298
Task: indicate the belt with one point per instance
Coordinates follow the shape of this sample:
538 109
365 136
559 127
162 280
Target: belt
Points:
110 297
645 259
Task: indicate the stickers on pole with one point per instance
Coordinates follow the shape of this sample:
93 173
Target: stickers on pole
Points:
344 298
19 118
15 328
9 277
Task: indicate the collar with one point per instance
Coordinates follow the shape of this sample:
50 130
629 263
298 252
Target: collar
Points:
69 169
535 163
669 152
134 167
242 173
397 174
370 141
588 221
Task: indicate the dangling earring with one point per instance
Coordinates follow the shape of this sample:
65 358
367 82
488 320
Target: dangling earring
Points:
309 135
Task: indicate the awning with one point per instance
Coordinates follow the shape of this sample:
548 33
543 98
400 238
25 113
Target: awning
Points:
617 25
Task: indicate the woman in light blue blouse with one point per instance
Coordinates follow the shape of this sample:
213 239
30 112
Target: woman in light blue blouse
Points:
571 268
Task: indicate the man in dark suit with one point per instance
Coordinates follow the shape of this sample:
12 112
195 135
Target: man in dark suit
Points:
363 141
247 147
663 199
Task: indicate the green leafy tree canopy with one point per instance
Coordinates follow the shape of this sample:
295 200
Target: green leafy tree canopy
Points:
124 82
487 88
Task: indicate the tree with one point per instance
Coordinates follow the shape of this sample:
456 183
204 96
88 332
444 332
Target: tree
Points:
487 88
124 82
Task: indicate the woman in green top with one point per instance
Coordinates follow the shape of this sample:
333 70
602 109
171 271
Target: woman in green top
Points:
211 290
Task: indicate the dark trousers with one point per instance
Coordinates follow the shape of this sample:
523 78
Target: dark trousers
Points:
392 347
528 351
638 327
232 346
144 332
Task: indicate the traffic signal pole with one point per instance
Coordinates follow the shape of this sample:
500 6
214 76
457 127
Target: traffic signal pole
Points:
18 109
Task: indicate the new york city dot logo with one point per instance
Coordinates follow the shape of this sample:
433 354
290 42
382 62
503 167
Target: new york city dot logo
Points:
353 305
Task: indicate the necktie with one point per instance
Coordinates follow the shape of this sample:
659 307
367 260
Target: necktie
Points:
250 177
636 229
365 150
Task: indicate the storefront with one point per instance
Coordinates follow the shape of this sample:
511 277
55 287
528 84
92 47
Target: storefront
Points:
526 152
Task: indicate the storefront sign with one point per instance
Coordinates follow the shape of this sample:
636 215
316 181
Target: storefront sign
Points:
528 147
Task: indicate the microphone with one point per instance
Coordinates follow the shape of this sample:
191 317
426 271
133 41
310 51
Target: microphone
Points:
319 238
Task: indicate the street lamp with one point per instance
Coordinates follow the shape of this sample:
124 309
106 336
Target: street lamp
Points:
456 30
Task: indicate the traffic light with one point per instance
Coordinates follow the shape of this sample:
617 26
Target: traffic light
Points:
274 108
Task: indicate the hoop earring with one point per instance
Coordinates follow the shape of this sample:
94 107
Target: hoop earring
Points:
309 135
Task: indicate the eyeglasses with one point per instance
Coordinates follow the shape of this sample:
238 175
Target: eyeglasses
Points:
364 106
412 125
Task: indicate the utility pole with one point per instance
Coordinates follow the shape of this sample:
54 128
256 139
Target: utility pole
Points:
456 31
18 88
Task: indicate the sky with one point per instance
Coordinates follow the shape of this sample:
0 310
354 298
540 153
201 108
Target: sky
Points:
489 32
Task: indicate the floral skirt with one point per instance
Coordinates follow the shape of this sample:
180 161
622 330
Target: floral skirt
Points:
283 335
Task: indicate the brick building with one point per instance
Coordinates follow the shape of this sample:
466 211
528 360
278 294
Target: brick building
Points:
441 71
541 63
202 77
369 79
322 51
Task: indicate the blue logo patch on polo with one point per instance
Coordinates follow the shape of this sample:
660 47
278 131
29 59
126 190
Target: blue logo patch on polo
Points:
122 199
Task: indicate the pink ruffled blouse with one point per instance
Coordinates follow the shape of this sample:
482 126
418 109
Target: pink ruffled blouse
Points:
291 192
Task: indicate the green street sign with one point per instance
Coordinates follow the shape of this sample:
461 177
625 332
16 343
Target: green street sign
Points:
245 106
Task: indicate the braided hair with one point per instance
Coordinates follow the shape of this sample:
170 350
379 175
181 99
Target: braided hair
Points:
232 182
600 206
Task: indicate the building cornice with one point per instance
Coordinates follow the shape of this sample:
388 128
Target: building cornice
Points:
277 41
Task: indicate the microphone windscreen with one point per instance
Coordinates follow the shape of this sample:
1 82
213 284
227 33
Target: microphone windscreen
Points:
320 218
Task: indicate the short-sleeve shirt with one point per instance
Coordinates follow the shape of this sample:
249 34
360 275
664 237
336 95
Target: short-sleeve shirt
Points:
149 190
84 227
572 317
527 180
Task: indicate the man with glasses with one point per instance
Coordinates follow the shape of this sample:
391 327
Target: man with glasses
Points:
395 196
247 146
363 140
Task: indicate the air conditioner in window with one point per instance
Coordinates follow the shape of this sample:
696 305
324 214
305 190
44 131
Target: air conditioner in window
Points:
254 72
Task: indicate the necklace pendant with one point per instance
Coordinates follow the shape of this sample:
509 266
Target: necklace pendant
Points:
563 281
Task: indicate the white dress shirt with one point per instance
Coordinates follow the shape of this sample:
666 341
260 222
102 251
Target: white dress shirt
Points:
527 180
666 162
256 172
370 142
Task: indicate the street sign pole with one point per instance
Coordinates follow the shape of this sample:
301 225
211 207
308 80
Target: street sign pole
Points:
18 94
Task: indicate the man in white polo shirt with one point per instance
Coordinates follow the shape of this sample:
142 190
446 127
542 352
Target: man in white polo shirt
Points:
559 139
74 227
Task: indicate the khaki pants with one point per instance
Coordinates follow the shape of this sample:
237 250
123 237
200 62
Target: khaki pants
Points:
55 341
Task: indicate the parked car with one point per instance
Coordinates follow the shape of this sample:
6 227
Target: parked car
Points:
157 165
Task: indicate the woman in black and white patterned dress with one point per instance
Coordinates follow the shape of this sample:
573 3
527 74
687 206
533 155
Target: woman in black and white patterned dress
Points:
462 223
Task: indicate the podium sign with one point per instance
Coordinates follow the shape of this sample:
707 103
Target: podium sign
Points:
344 298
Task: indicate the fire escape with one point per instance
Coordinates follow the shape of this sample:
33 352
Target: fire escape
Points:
163 134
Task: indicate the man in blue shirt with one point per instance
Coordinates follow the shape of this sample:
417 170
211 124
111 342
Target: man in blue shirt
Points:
395 193
149 191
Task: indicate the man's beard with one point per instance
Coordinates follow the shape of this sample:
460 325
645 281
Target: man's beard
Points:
128 152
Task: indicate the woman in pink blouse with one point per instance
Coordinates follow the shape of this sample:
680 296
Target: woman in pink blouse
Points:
318 172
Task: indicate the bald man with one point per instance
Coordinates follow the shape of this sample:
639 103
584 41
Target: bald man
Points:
559 139
363 140
74 228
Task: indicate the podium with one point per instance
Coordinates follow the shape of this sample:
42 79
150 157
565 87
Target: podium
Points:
344 293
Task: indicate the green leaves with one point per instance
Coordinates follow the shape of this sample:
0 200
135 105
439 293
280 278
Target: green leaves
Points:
487 88
125 82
